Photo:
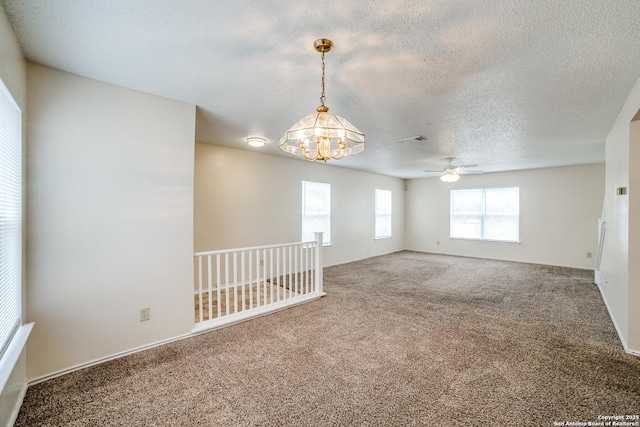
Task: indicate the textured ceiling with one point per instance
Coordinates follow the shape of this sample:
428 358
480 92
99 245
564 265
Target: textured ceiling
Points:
502 84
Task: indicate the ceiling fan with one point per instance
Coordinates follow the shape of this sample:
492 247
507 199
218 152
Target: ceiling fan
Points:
452 173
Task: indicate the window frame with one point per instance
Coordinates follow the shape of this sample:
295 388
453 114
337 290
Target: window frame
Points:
378 215
305 236
11 219
483 215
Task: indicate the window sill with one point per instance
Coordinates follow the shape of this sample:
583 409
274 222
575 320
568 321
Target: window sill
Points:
514 242
382 238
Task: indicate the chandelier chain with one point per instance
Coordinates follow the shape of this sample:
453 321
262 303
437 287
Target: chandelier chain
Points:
322 85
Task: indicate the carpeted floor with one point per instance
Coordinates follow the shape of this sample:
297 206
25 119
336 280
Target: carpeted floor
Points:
407 339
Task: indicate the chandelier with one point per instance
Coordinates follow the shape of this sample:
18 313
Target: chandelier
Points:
322 135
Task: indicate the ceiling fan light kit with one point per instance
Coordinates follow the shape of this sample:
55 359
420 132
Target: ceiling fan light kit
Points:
451 173
322 135
450 177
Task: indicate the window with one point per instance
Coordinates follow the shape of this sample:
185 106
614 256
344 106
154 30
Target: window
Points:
383 214
486 214
316 211
10 217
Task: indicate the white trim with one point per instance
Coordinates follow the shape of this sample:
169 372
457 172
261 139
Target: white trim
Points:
14 350
615 325
504 259
232 319
16 409
471 239
65 371
253 248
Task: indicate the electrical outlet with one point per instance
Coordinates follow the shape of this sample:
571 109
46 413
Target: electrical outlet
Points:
589 254
145 314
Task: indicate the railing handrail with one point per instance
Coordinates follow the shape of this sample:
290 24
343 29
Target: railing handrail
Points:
253 248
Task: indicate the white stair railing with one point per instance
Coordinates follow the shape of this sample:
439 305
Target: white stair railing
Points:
233 285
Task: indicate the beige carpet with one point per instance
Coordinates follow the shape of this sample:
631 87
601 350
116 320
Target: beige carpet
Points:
406 339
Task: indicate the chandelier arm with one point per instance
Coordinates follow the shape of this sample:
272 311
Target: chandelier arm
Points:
338 155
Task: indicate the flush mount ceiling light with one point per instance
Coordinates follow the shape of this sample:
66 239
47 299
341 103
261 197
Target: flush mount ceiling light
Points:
322 135
256 141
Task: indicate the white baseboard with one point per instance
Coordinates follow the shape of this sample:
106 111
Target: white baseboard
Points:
61 372
504 259
615 325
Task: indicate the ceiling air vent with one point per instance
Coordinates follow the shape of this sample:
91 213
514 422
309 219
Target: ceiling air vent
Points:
412 139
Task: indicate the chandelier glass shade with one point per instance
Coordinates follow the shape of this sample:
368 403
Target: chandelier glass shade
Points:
322 135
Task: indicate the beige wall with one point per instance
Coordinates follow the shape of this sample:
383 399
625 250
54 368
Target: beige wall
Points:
110 219
633 300
245 198
559 208
619 278
12 64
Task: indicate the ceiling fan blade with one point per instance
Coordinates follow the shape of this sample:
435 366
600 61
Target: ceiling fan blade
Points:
470 172
465 166
433 170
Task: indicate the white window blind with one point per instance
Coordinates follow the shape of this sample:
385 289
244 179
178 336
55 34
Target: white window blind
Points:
486 214
10 217
316 211
383 214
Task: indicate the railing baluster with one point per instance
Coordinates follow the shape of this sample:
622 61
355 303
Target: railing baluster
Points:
235 282
271 275
306 268
313 268
243 283
319 264
264 275
284 273
258 280
226 284
278 274
290 282
210 283
250 280
296 251
218 299
200 287
303 269
286 254
309 267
